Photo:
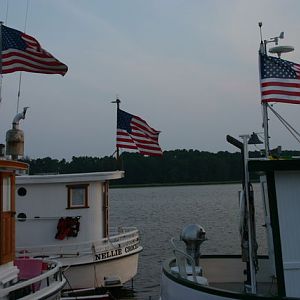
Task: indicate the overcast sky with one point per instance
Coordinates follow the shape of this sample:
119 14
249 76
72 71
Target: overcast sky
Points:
188 67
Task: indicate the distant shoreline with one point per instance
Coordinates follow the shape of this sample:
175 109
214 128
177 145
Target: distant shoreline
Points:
117 186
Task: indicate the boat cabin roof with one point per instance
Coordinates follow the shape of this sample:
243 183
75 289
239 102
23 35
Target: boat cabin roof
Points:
69 178
272 165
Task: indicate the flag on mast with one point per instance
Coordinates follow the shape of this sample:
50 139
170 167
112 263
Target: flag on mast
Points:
134 133
22 52
279 79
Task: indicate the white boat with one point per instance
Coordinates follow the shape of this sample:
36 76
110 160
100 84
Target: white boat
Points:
190 275
65 217
22 278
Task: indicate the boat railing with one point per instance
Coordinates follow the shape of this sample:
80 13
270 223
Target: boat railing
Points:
37 284
183 260
184 264
126 236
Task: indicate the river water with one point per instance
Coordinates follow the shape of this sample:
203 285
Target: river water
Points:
162 212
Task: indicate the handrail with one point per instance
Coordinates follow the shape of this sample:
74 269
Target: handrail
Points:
181 259
83 247
47 274
37 218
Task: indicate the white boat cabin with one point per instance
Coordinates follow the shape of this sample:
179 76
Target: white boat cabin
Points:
62 209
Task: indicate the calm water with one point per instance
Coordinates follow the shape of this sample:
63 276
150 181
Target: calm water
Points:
161 212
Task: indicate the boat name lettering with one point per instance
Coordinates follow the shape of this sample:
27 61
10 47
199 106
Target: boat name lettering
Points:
131 248
108 254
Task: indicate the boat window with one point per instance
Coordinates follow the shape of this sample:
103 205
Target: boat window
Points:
77 196
6 205
22 191
21 217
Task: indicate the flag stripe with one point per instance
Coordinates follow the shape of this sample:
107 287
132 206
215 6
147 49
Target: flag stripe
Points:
16 68
10 55
280 84
281 92
142 136
31 64
283 97
291 101
141 124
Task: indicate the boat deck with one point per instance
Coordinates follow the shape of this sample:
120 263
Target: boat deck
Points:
227 273
265 289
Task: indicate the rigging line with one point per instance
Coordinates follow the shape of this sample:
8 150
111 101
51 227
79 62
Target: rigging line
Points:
284 121
6 14
292 130
26 16
20 75
287 125
1 75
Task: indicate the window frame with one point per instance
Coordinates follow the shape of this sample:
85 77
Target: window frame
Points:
71 187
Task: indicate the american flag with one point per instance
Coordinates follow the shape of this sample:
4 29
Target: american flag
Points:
22 52
134 133
280 80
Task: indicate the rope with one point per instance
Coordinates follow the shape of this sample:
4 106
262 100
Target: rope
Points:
20 75
288 126
6 14
1 76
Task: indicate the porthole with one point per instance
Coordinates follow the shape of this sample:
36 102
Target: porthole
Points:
21 217
22 191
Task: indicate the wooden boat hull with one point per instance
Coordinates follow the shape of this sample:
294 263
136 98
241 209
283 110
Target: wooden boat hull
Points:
94 274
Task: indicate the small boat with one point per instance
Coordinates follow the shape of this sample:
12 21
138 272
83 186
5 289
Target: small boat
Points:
65 217
188 274
22 278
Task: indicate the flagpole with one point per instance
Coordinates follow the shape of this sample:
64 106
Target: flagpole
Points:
266 129
118 101
263 50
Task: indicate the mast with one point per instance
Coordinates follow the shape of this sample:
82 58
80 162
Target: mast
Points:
263 50
266 128
119 164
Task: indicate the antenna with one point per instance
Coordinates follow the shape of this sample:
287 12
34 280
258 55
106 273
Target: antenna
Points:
260 31
281 35
277 49
281 49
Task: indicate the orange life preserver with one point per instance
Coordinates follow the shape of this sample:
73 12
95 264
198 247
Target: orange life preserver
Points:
67 227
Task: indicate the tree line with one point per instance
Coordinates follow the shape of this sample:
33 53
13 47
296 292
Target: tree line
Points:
174 167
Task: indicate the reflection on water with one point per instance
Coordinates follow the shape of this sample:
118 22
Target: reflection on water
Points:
161 212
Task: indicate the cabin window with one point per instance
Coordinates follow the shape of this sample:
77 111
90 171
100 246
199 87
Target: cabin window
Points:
78 196
21 217
22 191
6 194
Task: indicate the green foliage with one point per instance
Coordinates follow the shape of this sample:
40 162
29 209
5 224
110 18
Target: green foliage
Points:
174 167
177 166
